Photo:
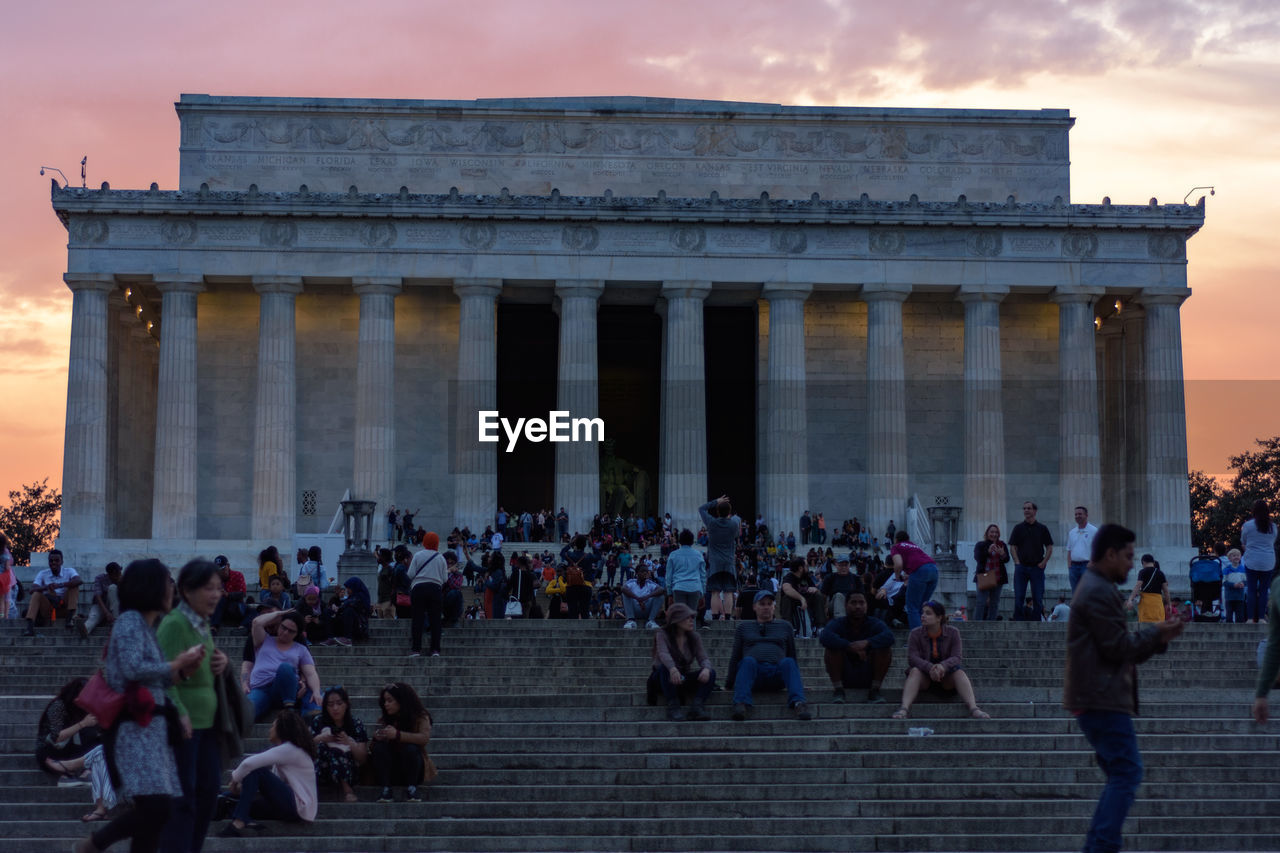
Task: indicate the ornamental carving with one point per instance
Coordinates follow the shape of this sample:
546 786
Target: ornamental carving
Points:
180 232
89 231
377 235
613 138
479 236
1078 245
278 234
1166 246
580 238
984 244
887 242
791 241
689 238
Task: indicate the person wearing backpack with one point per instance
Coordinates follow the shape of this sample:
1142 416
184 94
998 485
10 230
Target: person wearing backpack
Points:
427 575
579 574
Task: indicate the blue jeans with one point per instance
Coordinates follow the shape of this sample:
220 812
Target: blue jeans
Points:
265 796
1021 575
920 586
1075 571
989 603
283 689
200 771
770 676
1256 587
1111 735
648 611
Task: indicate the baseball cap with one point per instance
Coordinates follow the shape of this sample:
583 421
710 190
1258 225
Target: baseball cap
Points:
762 595
221 562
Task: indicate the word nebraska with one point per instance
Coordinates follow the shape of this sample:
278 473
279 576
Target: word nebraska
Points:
558 427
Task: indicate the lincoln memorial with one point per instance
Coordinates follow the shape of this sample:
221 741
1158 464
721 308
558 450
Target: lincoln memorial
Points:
815 308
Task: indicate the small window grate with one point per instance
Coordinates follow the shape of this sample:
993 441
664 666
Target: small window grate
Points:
308 501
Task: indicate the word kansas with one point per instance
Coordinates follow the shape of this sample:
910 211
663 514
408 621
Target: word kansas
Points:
558 427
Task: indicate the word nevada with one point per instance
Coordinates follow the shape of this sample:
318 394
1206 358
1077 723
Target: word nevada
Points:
558 427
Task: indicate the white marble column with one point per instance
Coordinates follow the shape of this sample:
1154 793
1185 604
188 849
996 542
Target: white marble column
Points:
1079 427
85 453
476 477
275 461
1135 421
173 505
1168 498
374 462
682 470
785 463
577 392
887 481
984 471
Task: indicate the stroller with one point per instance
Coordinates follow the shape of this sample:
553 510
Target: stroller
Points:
1206 588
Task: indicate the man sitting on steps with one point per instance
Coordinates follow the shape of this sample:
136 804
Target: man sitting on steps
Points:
857 650
764 652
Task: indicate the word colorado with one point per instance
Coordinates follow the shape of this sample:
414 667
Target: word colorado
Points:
558 427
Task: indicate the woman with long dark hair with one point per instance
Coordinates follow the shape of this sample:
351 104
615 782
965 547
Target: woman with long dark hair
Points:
141 743
269 565
399 749
65 733
279 784
1258 538
196 699
936 656
342 745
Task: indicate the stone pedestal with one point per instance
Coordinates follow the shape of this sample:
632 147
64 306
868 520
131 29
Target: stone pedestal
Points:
682 479
984 470
374 462
577 392
85 453
476 475
1080 452
887 485
357 558
1168 497
173 512
275 423
785 465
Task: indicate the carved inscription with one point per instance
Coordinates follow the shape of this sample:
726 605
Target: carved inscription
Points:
225 232
327 233
1032 245
526 237
426 234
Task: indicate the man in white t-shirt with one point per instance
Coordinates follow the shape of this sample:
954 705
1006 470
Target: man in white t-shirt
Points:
54 588
495 541
642 597
1079 546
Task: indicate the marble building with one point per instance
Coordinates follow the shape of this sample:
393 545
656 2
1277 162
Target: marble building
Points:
321 305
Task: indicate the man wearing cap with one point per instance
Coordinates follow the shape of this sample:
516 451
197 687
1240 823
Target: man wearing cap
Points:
231 607
764 654
839 585
857 650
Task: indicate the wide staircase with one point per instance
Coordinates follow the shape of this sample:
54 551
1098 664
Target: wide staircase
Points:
544 742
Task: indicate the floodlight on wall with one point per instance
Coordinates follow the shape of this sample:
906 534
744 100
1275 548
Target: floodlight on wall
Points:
139 310
43 169
1119 306
1211 190
1097 323
128 293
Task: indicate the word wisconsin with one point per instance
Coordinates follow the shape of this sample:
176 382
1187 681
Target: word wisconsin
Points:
558 427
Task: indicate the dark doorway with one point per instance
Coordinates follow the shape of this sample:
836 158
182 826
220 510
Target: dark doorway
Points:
730 340
630 395
528 355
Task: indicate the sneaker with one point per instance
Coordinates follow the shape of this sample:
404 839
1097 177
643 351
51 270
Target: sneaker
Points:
31 632
435 654
82 629
801 711
837 695
674 712
415 654
233 831
385 796
697 713
411 794
651 625
329 642
739 711
874 697
72 782
342 641
630 623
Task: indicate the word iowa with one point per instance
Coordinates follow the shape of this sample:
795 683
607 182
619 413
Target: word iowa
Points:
557 427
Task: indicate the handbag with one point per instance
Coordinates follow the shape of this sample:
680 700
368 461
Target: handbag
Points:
988 580
98 698
402 599
514 610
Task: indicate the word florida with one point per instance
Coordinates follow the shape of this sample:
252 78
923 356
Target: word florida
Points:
558 427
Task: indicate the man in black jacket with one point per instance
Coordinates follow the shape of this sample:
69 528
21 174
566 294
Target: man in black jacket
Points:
764 654
1101 683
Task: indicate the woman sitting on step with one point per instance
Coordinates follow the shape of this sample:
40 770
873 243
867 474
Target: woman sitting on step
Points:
66 732
937 665
399 749
681 667
279 784
342 746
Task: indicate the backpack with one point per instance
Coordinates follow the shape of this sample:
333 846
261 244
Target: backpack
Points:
573 574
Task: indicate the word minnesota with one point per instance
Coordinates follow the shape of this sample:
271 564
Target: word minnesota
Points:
558 427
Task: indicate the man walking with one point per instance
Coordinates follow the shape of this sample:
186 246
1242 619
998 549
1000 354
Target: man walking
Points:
1101 683
1032 546
1079 546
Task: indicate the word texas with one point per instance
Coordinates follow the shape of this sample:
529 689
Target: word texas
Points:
558 427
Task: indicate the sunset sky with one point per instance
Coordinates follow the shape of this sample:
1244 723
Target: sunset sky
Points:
1167 95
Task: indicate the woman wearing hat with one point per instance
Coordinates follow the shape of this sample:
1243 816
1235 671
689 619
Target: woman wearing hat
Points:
681 666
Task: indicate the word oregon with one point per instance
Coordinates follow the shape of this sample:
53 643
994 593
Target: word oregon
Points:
558 427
